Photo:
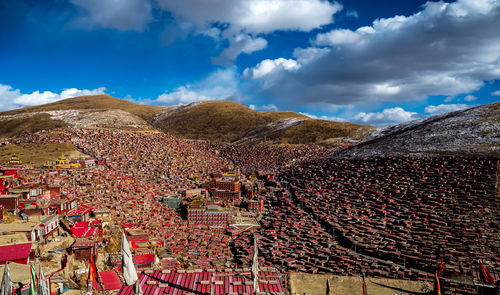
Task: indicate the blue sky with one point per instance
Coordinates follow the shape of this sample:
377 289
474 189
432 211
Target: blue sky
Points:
356 61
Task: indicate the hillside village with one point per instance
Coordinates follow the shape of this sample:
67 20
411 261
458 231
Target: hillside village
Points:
194 213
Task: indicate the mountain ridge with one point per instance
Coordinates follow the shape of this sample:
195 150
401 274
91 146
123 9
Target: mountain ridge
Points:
223 121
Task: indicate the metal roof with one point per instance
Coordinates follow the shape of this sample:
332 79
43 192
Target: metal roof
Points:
181 282
15 252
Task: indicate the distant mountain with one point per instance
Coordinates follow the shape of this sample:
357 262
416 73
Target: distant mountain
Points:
224 121
472 131
228 121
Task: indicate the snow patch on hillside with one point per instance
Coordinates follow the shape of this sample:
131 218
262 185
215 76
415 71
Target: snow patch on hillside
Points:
85 118
471 131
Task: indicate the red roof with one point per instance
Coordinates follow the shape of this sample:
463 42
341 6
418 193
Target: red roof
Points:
110 280
78 231
15 252
79 211
144 258
202 282
82 224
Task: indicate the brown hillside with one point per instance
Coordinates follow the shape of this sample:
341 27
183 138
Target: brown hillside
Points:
223 121
39 153
94 102
228 121
16 126
321 131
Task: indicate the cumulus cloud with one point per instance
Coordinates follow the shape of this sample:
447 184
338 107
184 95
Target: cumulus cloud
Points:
445 108
444 49
243 22
255 16
116 14
220 85
11 98
496 93
268 65
386 117
337 37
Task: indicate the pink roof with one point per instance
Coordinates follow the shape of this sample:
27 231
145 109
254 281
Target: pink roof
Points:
15 252
110 280
182 283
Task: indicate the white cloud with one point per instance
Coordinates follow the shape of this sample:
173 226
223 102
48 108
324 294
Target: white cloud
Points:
116 14
386 89
470 98
220 85
445 49
13 98
269 107
337 37
255 16
240 43
244 21
386 117
445 108
268 65
496 93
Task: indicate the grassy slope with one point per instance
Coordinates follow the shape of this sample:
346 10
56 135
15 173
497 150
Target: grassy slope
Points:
218 120
16 126
13 127
224 121
38 154
98 102
227 121
320 131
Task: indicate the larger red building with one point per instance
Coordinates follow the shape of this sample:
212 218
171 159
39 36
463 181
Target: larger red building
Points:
200 212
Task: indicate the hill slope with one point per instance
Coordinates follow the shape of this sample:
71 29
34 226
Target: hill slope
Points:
91 110
228 121
472 131
224 121
94 102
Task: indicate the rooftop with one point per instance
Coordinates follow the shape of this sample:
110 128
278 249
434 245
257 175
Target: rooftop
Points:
15 252
19 226
13 239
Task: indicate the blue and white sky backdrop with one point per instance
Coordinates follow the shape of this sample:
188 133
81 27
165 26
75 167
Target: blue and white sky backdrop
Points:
371 62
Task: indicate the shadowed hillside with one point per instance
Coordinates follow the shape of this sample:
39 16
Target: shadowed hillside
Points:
470 131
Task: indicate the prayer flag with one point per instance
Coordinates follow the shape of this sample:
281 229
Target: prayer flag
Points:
32 280
6 288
